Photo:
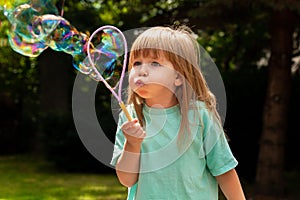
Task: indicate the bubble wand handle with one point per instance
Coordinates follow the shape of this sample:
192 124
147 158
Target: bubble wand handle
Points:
124 109
119 95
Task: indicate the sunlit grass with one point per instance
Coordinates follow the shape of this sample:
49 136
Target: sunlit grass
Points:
28 178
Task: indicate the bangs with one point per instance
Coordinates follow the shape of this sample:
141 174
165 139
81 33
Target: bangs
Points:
147 52
157 42
152 43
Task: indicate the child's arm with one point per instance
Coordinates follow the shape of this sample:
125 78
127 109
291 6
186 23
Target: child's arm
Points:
127 167
230 185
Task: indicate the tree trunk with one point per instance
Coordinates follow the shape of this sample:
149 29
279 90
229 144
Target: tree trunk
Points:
270 166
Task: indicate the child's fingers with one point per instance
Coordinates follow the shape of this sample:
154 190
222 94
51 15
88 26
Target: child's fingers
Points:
131 126
128 125
133 129
138 132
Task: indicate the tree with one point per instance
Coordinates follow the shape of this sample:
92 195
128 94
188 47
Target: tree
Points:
269 177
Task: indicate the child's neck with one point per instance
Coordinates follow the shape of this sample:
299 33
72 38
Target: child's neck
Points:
161 103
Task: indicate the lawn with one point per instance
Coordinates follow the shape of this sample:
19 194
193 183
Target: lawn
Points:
25 177
28 178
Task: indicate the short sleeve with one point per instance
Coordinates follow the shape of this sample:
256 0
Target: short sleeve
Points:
219 157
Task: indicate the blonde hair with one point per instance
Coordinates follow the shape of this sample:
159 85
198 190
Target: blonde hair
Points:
179 46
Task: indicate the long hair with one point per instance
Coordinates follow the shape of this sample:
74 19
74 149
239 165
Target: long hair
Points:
179 46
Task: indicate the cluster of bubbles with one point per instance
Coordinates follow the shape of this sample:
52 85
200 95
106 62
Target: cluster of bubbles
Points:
36 25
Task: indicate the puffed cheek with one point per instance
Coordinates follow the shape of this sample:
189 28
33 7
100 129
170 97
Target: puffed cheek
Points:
131 84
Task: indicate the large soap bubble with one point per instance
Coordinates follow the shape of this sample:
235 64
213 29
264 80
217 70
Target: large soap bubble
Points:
35 26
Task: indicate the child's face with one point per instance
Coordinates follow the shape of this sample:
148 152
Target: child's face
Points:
154 79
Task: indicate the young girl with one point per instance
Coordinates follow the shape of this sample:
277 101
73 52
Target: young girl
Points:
175 147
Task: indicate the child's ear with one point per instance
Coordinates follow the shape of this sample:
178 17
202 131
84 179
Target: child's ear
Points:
178 80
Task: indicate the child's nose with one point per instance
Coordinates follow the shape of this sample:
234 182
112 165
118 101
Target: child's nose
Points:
143 71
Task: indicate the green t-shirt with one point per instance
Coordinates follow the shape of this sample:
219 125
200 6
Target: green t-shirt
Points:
172 171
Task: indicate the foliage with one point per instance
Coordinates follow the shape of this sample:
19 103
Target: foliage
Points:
280 5
18 76
224 46
19 91
11 3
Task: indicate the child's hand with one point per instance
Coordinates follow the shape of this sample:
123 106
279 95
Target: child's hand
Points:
133 132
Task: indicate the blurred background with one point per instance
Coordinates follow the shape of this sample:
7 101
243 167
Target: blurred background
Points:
255 45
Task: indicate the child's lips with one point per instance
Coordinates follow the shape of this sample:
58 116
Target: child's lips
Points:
139 83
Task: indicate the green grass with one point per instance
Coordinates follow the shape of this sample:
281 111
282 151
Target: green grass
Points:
28 178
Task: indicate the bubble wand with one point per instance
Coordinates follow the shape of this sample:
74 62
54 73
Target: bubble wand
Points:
119 95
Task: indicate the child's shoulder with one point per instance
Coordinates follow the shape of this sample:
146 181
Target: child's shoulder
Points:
199 108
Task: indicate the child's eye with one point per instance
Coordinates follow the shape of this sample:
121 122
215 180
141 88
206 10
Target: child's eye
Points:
155 64
137 63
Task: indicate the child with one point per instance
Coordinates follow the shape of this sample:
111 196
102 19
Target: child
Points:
175 147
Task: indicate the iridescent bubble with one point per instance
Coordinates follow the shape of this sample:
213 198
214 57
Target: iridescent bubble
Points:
26 35
44 25
25 48
21 20
104 64
36 26
66 38
107 52
112 43
81 64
